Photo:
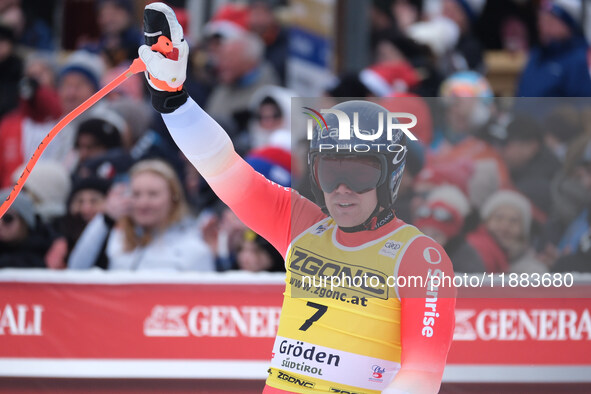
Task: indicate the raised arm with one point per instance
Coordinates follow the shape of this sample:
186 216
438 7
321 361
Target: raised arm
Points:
262 205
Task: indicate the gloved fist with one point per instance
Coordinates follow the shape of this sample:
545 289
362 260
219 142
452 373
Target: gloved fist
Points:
165 56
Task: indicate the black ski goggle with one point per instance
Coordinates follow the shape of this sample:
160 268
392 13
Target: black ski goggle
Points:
360 174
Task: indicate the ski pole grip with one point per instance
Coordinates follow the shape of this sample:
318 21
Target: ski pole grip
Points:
163 45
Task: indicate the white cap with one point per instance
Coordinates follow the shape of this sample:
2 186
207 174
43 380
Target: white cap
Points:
511 198
440 34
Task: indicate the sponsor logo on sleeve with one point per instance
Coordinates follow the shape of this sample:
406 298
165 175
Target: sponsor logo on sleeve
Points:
432 255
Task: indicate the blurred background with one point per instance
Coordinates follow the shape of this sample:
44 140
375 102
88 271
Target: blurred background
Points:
500 176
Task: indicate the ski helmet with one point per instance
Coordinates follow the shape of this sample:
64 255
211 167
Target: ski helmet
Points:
367 119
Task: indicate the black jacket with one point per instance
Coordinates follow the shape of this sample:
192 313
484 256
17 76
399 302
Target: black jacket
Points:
29 253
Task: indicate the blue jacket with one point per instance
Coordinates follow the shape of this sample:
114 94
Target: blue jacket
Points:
559 69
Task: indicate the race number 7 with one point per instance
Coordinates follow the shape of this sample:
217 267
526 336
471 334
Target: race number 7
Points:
321 311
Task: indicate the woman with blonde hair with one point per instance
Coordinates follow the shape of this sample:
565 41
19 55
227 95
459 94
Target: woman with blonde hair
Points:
146 225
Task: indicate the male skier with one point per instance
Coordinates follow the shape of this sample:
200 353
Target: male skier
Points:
364 339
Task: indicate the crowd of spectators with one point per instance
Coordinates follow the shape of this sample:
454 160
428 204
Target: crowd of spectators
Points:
503 184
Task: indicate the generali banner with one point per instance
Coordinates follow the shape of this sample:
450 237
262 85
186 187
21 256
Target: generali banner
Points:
104 325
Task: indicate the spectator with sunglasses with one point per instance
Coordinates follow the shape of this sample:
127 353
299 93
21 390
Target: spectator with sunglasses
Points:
24 240
442 218
368 338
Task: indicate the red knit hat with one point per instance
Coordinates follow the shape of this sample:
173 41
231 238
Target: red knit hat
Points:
273 154
230 20
385 78
445 211
455 173
440 216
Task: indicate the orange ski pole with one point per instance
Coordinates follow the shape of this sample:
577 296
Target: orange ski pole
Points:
136 67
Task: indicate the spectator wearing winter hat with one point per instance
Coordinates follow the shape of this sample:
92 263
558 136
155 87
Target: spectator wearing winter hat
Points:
99 145
469 106
442 218
48 186
270 169
85 201
477 180
111 165
531 164
229 21
87 197
469 128
274 160
94 137
441 35
77 81
24 243
455 173
38 109
270 109
392 45
503 240
386 78
558 66
382 79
